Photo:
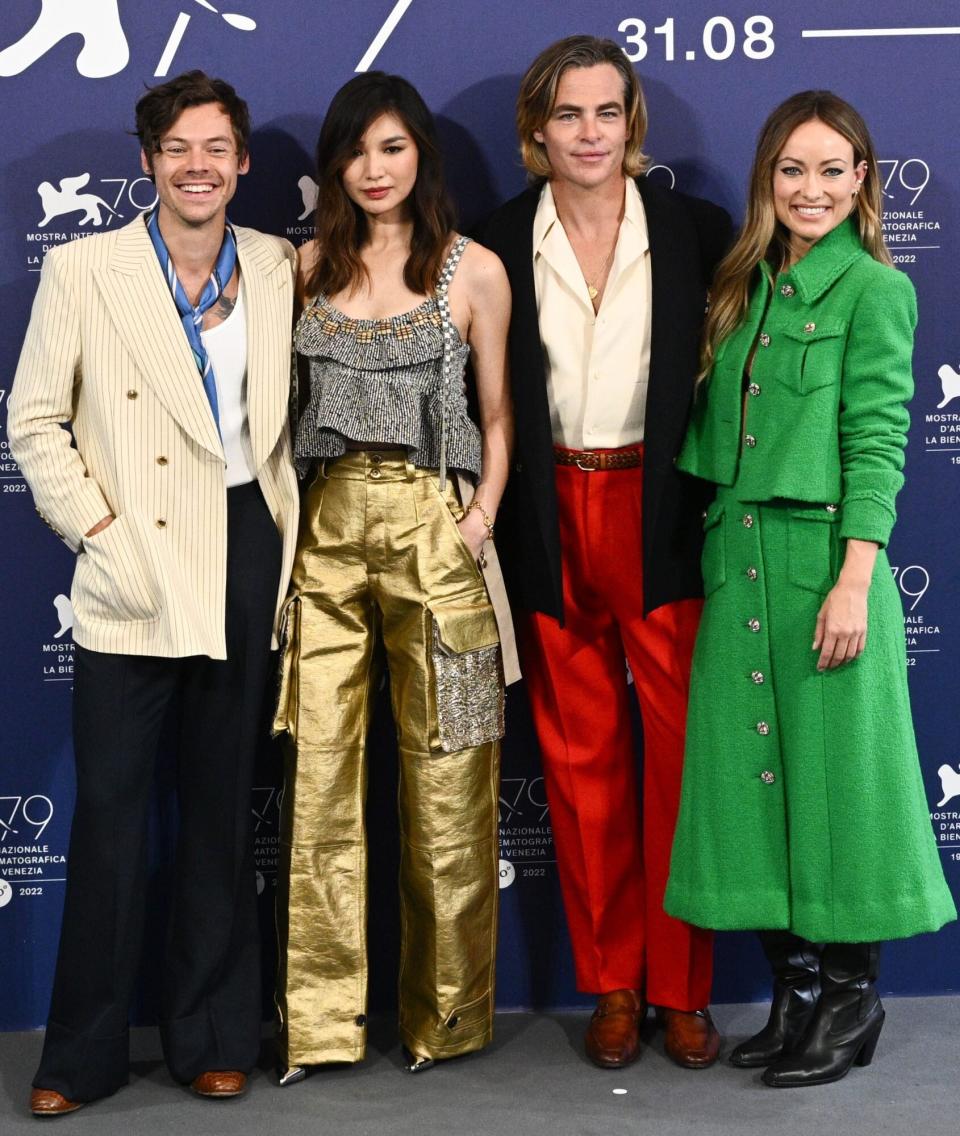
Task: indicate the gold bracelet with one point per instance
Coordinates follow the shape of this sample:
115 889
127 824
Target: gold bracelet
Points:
484 515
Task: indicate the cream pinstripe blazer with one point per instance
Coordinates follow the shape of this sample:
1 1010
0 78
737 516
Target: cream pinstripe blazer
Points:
106 355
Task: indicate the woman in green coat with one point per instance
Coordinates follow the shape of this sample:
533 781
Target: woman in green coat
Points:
803 812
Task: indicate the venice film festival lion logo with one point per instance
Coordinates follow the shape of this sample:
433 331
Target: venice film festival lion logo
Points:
64 610
949 384
67 200
105 50
949 783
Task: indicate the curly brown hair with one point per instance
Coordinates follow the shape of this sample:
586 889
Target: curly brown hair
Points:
162 105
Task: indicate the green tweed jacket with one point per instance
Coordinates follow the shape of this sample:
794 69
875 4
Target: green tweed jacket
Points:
827 391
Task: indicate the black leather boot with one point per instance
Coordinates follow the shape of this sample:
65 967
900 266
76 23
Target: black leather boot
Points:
796 987
846 1024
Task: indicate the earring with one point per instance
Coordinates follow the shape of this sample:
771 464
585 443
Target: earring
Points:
856 188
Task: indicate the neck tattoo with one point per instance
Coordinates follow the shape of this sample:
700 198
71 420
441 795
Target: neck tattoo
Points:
225 305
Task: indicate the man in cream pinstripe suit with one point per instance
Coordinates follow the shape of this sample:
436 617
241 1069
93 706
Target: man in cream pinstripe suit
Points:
164 347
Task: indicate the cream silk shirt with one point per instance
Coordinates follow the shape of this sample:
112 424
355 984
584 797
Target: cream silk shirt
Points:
597 364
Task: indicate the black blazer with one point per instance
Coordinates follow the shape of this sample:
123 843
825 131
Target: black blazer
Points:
687 237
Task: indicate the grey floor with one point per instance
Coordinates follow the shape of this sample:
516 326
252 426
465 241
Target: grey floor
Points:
534 1079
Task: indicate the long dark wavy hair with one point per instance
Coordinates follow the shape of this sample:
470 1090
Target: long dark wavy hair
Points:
340 224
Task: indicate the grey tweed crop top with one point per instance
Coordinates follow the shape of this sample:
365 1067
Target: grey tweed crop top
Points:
395 381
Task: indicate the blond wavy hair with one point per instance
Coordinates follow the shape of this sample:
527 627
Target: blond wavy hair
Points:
538 93
763 237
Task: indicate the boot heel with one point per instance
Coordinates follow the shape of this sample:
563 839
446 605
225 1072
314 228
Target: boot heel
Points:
865 1056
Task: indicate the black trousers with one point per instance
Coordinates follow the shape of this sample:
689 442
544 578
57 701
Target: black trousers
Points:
211 980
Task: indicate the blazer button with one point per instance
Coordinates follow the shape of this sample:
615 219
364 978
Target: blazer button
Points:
767 777
161 523
788 290
757 677
753 624
753 389
161 460
763 728
132 394
748 520
750 441
751 573
808 327
764 339
831 508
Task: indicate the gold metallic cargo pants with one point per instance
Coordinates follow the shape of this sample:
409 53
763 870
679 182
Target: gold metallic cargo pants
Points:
380 554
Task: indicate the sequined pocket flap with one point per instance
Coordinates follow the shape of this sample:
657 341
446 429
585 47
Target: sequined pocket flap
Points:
467 675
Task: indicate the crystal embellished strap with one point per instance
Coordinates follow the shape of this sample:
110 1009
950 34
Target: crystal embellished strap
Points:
443 303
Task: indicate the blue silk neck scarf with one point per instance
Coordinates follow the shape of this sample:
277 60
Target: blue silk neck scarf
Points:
192 317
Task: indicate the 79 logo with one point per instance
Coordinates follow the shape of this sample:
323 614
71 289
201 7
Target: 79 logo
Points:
34 812
907 174
518 794
265 806
913 582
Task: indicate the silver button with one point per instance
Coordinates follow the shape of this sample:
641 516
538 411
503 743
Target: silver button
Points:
748 520
751 573
767 777
831 508
375 474
750 441
787 290
764 339
754 389
753 624
763 728
757 677
808 327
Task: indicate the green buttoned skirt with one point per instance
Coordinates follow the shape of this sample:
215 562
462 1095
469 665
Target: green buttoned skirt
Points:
803 806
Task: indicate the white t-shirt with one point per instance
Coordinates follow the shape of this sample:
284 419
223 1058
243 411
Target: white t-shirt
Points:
226 344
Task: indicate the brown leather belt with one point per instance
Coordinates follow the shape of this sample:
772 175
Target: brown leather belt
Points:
591 460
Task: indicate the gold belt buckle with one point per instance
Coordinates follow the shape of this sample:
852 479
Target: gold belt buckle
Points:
593 460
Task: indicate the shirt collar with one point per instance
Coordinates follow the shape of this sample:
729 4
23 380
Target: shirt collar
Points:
633 213
545 218
829 258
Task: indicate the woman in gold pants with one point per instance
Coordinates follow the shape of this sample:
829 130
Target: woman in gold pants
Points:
394 546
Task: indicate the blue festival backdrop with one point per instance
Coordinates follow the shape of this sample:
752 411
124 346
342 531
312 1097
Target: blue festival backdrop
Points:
70 73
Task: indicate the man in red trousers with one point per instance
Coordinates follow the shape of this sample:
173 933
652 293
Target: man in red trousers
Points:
601 535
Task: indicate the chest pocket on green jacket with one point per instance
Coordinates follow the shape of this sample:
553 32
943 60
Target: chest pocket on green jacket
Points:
813 359
713 561
813 547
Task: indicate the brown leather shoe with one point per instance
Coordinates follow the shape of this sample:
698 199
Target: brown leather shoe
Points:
613 1036
46 1102
219 1083
692 1039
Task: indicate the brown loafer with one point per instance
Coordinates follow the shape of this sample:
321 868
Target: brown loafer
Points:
46 1102
219 1083
613 1036
692 1039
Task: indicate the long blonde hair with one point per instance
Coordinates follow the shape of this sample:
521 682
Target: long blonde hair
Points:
762 236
